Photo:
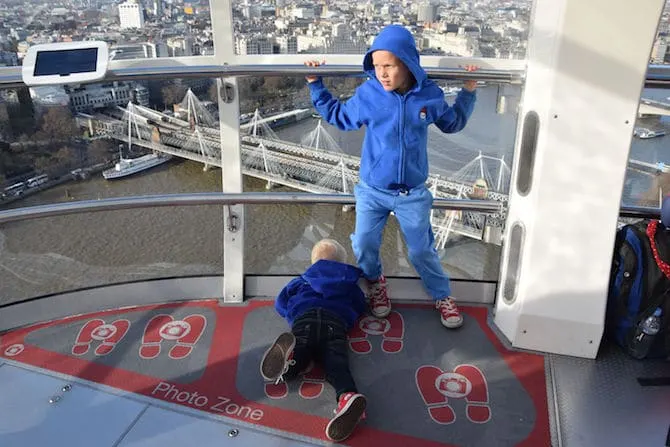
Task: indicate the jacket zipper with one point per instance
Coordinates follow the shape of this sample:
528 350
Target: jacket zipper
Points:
401 124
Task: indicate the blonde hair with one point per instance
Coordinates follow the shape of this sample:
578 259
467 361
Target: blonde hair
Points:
329 249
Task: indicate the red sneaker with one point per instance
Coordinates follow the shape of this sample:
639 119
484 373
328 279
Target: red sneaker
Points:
449 314
380 305
350 410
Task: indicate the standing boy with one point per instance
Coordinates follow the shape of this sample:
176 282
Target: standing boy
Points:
397 104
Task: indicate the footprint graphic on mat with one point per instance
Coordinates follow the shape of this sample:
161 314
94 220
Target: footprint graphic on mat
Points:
312 384
467 382
97 330
164 328
391 328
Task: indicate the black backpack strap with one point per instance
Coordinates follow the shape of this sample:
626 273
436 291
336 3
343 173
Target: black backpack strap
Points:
653 381
620 310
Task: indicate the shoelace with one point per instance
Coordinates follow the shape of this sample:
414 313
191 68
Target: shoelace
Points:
378 296
286 367
446 305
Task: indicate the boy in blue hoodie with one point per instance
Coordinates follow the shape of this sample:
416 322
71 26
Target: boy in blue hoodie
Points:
396 104
321 306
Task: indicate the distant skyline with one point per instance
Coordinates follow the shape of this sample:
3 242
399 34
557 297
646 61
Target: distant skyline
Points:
175 28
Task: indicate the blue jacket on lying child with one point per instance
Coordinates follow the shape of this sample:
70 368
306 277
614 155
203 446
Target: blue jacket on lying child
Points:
327 284
321 306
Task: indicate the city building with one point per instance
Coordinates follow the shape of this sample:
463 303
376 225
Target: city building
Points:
97 96
131 15
287 44
180 46
254 45
304 12
8 59
659 51
427 13
146 50
158 8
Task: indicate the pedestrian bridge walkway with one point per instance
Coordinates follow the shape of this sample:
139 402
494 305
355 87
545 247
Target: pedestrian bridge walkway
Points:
316 164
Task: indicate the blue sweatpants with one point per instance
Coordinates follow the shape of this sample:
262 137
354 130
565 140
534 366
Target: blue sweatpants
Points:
413 213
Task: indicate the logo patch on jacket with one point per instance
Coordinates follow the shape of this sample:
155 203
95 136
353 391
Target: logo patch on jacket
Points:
422 114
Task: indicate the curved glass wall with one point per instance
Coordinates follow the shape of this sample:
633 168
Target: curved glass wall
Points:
66 253
286 146
648 174
56 142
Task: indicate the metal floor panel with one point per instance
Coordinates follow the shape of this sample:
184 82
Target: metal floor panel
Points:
159 427
600 402
39 410
150 423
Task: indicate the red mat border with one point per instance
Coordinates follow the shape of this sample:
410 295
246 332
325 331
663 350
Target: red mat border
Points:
219 378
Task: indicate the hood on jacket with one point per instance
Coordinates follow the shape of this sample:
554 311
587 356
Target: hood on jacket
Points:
399 41
332 278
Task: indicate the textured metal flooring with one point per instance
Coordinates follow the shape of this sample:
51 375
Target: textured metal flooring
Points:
600 402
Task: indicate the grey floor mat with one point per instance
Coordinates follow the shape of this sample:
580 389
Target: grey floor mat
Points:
392 382
134 346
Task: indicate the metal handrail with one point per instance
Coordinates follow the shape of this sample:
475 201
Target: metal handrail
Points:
642 212
260 198
13 78
217 198
658 76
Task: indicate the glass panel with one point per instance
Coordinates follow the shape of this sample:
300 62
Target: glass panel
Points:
280 238
660 52
283 149
64 143
648 175
59 254
449 28
133 29
56 144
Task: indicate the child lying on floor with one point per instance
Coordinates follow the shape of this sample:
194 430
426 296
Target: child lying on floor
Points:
321 306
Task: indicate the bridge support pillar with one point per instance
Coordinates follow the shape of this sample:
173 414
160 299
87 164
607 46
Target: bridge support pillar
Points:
269 185
206 167
579 107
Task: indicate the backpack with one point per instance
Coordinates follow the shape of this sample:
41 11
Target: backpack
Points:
639 284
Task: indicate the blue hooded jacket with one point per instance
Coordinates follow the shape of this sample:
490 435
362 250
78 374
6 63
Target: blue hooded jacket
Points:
394 150
329 285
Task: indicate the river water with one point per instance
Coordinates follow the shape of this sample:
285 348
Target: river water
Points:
72 252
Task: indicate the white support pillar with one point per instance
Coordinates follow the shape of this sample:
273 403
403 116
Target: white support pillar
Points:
257 116
500 174
188 106
344 176
231 155
318 135
265 158
481 165
130 131
584 80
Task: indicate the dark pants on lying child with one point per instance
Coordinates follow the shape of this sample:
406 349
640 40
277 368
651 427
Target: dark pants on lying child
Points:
321 336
